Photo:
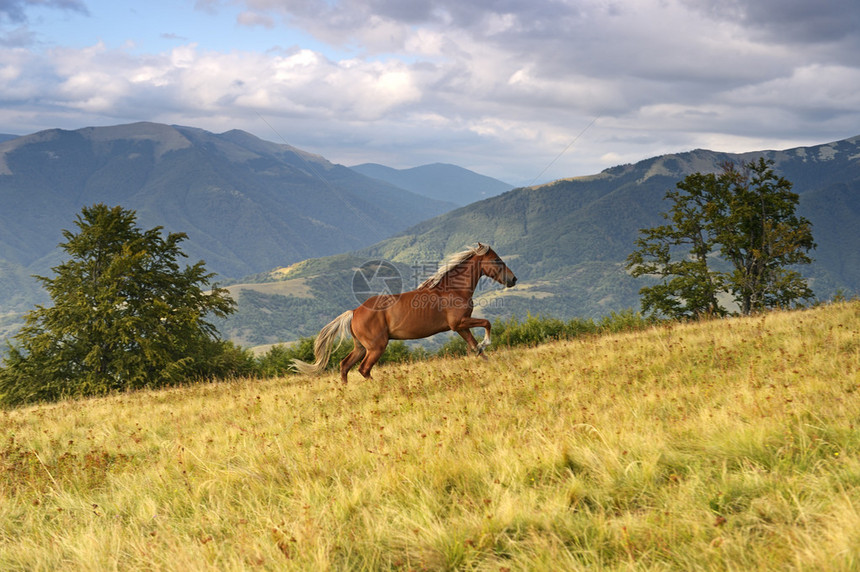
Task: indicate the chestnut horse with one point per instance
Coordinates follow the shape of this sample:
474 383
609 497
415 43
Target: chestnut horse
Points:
443 302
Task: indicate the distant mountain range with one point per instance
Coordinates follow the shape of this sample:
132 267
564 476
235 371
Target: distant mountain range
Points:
279 217
567 242
247 205
440 181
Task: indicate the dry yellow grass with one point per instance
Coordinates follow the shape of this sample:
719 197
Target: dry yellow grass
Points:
725 445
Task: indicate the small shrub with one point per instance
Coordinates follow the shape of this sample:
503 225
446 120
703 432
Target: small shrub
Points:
579 327
279 359
533 331
625 321
396 352
456 346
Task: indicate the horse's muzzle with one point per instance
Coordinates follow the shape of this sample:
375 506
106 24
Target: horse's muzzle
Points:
510 281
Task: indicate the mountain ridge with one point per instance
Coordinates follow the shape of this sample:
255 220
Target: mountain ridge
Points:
246 204
567 240
441 181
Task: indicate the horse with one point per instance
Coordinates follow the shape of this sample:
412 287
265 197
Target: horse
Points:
441 303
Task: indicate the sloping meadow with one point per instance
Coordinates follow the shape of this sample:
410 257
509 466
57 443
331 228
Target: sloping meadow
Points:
731 444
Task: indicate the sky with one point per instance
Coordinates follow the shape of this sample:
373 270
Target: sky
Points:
526 91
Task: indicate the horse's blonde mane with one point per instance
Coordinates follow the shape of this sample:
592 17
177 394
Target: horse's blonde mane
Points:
453 262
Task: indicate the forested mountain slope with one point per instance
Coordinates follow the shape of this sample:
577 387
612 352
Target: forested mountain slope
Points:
247 205
567 240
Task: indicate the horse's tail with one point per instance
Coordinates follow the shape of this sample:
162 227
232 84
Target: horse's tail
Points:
324 343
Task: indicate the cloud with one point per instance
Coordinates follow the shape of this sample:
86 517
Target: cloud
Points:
99 80
173 36
789 21
16 10
812 94
594 56
253 19
503 86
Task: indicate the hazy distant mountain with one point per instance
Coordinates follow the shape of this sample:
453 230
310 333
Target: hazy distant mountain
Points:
7 137
438 181
247 205
567 240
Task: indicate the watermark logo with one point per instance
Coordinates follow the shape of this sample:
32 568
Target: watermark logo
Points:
381 278
376 278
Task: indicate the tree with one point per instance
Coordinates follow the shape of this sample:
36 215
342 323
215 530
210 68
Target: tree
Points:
689 287
746 216
760 234
124 316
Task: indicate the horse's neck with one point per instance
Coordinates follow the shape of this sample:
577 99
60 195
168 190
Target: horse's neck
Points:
464 277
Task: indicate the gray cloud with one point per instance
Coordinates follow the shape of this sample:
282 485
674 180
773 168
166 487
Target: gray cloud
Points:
15 13
789 21
498 86
16 10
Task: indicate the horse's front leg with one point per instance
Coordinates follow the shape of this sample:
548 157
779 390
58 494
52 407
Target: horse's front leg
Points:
485 342
463 328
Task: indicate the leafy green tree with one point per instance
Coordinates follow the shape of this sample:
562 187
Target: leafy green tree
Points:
760 234
125 315
689 286
744 216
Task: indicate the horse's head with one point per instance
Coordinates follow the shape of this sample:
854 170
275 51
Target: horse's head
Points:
495 268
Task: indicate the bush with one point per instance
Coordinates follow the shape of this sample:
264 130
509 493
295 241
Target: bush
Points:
396 352
226 360
454 347
579 327
536 330
625 321
533 331
279 359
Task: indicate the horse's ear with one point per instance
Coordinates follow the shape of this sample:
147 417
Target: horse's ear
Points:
481 246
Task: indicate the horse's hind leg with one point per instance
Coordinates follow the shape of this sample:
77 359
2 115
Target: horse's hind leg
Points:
351 359
373 355
370 329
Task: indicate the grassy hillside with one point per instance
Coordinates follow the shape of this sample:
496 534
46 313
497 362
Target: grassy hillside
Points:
731 444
